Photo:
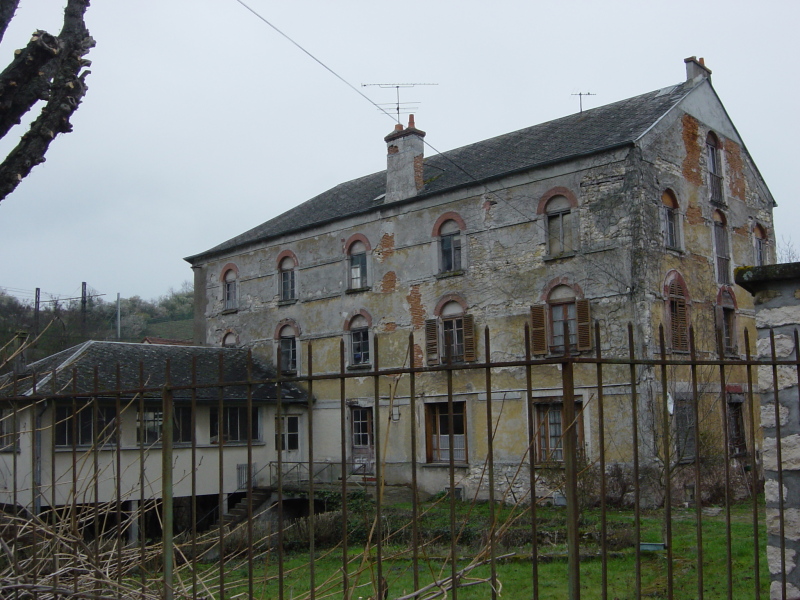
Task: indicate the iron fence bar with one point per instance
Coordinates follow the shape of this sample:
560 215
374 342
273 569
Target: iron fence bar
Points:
166 484
490 461
193 418
343 449
602 445
637 497
141 507
73 423
779 466
54 516
221 473
726 453
95 450
118 464
250 424
378 471
532 465
451 470
34 476
698 493
570 448
311 504
667 462
753 474
279 446
15 474
415 496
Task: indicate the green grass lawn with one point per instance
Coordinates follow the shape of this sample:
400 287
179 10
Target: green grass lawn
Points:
515 573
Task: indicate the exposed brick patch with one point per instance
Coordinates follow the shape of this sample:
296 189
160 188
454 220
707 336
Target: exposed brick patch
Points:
740 230
389 282
735 169
385 247
416 308
694 216
391 326
417 360
691 163
418 180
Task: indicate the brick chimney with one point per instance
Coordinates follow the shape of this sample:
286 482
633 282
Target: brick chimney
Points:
696 67
405 150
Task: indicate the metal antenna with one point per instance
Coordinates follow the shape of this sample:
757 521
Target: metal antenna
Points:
397 87
580 96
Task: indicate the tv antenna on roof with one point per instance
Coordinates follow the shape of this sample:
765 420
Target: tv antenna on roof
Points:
580 96
407 107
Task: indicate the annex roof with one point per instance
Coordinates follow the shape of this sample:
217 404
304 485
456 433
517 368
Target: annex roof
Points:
144 366
581 134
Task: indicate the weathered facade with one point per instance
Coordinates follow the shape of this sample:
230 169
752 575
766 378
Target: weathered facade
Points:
635 212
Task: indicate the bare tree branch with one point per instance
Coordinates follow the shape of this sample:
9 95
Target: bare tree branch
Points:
7 10
51 69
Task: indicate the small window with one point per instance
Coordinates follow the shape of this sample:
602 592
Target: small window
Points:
234 424
230 290
714 167
559 226
287 279
362 427
670 220
288 350
450 240
358 266
678 317
685 442
551 426
760 236
359 341
451 336
737 443
563 310
437 430
722 248
726 322
150 425
229 341
79 429
290 433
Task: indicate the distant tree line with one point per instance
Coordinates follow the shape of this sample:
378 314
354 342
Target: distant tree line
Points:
63 324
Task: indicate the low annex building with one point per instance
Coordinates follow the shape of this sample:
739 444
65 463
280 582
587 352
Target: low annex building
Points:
634 212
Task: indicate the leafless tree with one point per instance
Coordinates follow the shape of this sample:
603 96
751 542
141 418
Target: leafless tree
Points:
50 69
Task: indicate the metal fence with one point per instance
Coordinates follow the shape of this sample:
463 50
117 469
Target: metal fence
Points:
672 515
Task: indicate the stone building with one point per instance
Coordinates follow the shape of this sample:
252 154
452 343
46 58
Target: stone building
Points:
635 212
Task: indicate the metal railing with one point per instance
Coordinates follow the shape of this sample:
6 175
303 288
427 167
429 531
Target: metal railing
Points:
107 521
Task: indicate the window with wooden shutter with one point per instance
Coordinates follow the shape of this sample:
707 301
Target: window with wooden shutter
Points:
470 353
679 321
584 325
538 330
432 341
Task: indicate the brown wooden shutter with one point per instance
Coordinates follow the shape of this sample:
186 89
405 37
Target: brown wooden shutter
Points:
584 314
432 341
469 338
538 329
680 326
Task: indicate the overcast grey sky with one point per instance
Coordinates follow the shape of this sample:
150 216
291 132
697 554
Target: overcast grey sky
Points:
201 121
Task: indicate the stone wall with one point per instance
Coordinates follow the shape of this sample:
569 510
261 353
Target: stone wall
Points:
776 292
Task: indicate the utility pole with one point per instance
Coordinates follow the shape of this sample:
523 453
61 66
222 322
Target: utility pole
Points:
83 310
119 327
36 313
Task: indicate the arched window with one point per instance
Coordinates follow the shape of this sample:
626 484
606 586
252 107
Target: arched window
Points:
287 279
450 247
229 340
357 262
726 321
760 235
359 341
288 349
670 219
560 234
563 310
722 248
230 289
714 169
678 315
452 334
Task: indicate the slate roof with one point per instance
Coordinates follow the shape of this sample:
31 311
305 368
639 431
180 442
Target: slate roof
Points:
581 134
153 359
